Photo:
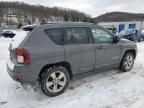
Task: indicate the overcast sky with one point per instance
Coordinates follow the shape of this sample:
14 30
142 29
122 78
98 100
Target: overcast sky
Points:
92 7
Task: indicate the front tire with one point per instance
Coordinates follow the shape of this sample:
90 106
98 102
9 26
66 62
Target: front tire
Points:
127 62
54 81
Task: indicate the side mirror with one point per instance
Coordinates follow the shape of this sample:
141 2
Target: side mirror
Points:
116 39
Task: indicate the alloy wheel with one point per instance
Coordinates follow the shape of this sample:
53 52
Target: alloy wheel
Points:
56 82
129 62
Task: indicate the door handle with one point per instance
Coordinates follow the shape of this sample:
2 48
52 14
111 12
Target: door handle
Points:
99 47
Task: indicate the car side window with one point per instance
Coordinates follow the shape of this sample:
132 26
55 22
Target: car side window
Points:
55 35
101 36
76 35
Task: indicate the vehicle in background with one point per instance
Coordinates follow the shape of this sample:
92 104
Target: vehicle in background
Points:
1 33
142 34
8 34
133 35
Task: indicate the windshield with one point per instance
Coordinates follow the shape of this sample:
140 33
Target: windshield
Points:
125 32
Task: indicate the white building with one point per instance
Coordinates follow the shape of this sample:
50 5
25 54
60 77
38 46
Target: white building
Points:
139 25
11 18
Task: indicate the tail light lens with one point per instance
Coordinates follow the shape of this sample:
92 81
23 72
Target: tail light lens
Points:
23 56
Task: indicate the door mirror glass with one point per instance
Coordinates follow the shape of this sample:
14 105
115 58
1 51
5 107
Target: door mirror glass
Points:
116 39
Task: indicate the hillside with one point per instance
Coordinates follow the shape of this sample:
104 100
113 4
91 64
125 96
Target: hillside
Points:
17 13
118 16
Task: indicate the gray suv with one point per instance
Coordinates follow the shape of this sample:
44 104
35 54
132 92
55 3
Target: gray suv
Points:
55 53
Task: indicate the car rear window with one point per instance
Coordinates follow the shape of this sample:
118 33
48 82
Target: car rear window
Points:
19 37
55 35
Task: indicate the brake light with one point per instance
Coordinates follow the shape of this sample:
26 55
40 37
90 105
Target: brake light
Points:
23 56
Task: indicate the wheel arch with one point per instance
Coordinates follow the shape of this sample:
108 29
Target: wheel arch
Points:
133 51
63 64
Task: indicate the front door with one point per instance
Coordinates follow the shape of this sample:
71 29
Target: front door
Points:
107 52
79 50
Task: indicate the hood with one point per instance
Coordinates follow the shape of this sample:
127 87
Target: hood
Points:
126 41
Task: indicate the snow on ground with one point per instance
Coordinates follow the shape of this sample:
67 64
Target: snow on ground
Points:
103 90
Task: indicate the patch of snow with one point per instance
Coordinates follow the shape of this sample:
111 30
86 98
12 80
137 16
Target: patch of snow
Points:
10 64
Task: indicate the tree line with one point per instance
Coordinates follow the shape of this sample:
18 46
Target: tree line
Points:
29 14
118 17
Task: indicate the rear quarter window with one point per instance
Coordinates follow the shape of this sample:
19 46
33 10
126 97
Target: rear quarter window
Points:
55 35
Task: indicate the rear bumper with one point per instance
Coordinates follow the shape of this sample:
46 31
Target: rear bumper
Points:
22 73
17 76
13 75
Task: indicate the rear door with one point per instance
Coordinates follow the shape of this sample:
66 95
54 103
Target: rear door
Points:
107 52
79 49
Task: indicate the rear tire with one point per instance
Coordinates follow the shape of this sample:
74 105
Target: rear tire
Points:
54 81
127 62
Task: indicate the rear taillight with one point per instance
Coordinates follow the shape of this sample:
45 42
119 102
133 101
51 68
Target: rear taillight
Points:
23 57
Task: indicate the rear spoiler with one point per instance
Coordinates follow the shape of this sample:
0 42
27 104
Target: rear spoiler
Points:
28 27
